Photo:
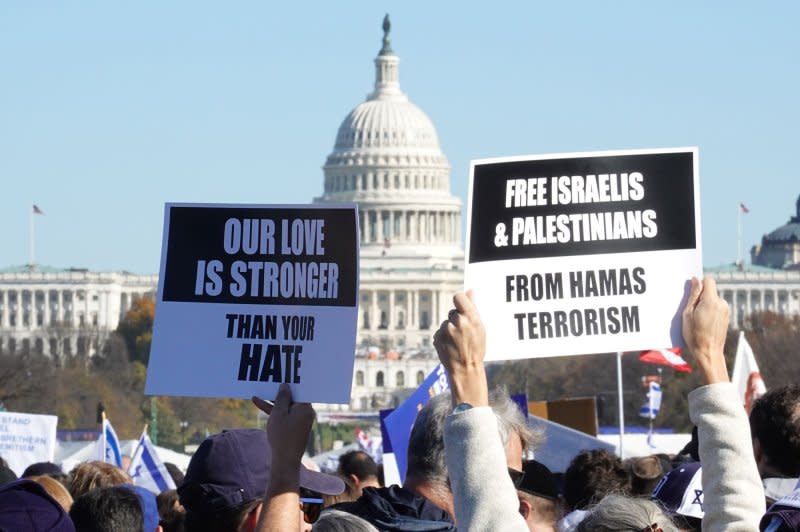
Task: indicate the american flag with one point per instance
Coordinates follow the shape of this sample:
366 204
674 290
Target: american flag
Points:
37 210
743 208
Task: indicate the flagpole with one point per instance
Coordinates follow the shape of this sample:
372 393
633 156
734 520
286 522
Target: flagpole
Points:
621 409
31 248
138 446
739 235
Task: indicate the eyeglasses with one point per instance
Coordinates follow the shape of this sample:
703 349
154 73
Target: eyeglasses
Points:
311 508
652 528
517 476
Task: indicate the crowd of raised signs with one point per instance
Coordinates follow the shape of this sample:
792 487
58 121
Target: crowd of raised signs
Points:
465 465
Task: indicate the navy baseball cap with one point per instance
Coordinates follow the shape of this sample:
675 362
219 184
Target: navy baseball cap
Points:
231 468
25 505
681 490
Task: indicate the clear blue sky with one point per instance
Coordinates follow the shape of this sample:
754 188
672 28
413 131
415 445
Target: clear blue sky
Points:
108 110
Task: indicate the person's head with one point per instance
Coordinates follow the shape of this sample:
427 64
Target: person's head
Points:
175 472
92 475
147 500
170 511
45 469
427 465
6 475
360 470
108 509
645 472
775 426
680 492
538 497
591 476
619 513
227 479
339 521
55 489
26 505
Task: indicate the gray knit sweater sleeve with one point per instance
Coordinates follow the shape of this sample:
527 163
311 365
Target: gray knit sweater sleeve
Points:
733 497
483 495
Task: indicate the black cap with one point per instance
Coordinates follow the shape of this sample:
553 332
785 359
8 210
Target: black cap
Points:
538 480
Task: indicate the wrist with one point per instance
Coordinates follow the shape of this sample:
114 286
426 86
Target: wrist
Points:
284 476
472 389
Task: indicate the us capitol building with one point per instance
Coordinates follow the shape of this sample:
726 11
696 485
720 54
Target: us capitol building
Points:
387 159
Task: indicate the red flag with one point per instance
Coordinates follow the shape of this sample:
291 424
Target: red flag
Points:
743 208
37 210
666 357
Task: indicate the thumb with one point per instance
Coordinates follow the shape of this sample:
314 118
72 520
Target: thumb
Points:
694 295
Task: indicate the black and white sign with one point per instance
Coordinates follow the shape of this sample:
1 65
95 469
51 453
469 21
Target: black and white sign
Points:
254 296
583 253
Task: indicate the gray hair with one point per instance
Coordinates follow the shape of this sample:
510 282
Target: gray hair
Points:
339 521
619 512
426 458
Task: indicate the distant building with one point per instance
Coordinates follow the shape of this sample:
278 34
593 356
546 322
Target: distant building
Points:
64 312
780 249
771 282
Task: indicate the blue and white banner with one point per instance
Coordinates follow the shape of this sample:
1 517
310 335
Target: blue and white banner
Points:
108 445
650 409
147 470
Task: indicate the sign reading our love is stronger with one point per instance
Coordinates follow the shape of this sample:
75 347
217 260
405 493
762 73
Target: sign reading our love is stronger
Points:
250 297
582 253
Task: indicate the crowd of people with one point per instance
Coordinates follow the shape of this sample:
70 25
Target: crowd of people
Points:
468 465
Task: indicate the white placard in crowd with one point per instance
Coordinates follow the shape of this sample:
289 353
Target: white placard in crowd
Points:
581 253
252 296
26 439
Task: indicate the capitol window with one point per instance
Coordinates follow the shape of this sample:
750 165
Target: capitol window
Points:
400 379
379 379
420 377
359 378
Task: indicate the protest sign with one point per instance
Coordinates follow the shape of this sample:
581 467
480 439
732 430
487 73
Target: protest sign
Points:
250 297
26 439
400 422
583 253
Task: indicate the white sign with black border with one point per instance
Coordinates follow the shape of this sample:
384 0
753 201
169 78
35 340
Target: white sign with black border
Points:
252 296
581 253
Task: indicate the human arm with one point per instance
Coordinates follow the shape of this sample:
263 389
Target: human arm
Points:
288 428
733 497
484 497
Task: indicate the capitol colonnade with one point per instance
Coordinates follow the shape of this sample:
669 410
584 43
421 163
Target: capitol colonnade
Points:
64 312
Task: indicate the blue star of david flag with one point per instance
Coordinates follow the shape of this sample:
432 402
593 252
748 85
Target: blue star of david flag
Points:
108 444
147 470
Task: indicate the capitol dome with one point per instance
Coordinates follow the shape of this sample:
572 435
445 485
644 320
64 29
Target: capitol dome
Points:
387 159
780 248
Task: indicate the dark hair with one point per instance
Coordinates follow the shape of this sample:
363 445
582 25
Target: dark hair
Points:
222 520
176 474
114 509
775 423
591 476
357 463
170 511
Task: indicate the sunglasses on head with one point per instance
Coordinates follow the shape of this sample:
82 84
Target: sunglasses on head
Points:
516 476
311 508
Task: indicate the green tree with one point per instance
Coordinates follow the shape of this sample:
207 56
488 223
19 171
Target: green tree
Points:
136 328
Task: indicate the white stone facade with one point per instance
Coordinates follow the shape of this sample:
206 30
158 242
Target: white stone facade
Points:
753 289
64 312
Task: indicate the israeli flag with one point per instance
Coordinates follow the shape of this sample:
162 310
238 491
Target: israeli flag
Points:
650 409
109 445
147 470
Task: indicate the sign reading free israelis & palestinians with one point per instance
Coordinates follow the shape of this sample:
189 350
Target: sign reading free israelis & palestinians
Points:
250 297
583 253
